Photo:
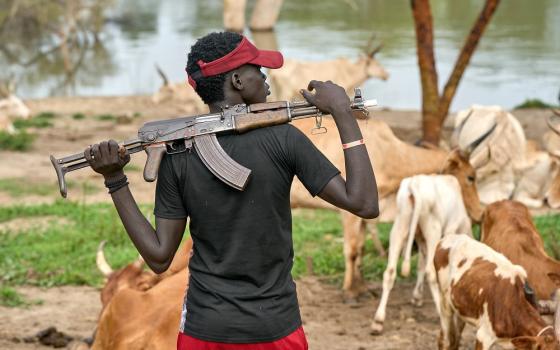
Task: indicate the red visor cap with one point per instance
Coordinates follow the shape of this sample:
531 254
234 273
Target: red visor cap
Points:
244 53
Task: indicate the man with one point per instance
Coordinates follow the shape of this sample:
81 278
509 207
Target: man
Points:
241 293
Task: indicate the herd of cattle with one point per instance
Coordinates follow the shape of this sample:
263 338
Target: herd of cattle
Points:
505 285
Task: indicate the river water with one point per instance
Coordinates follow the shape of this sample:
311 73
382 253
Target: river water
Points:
518 57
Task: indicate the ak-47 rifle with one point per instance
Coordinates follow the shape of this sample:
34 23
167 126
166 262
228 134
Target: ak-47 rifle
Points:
163 136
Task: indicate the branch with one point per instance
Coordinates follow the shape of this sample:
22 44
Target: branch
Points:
466 53
425 48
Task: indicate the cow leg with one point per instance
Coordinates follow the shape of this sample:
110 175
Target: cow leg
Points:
372 227
431 274
418 292
484 341
354 238
447 332
396 243
458 325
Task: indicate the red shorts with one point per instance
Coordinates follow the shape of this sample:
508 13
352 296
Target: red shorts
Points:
294 341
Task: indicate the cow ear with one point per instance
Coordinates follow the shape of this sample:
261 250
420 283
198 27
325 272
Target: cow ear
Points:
554 277
523 343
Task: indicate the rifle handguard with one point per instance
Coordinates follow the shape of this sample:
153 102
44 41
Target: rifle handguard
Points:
252 121
220 163
155 155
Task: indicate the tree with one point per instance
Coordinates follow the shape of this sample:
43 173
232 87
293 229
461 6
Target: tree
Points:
435 106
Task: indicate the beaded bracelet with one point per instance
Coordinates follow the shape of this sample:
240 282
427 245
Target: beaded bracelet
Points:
116 185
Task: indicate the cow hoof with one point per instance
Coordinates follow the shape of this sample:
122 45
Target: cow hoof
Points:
376 328
417 302
349 297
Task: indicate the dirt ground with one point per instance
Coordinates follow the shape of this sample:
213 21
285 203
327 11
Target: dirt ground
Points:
329 323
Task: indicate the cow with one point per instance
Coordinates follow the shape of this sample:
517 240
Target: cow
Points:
286 82
508 165
552 145
392 160
496 157
11 107
480 286
181 94
128 300
429 207
507 227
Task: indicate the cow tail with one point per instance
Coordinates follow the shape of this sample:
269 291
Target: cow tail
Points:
416 206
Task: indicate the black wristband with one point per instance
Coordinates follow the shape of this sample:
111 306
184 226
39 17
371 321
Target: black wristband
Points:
116 185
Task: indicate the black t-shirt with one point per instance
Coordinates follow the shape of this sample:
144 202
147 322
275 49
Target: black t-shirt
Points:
241 289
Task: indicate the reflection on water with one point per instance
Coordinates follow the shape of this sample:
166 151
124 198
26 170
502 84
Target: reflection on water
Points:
518 57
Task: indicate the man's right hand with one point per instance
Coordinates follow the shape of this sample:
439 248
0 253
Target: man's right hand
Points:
107 158
329 97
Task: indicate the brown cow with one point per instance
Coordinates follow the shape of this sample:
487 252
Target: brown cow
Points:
133 298
507 227
480 286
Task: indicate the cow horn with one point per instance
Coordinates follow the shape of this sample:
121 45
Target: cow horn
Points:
139 263
376 50
102 263
470 148
162 75
551 125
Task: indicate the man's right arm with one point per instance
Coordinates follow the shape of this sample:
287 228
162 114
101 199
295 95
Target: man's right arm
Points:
157 246
358 193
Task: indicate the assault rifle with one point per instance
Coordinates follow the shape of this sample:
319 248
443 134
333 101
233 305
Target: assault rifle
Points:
176 135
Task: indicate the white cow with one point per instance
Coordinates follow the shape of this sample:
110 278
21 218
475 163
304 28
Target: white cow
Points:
428 207
497 156
295 75
11 107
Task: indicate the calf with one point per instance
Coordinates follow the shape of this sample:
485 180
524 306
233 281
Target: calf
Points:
507 227
428 207
482 287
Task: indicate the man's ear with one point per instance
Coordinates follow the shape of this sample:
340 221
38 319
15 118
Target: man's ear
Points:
524 343
236 81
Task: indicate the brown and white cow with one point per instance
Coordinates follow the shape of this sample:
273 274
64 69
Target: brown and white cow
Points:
133 298
428 207
508 228
480 286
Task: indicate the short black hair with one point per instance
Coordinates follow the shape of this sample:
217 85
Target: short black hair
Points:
207 49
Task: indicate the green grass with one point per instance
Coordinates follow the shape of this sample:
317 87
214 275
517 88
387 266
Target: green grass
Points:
105 117
11 298
133 168
65 254
21 141
533 103
78 116
62 254
19 187
42 120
